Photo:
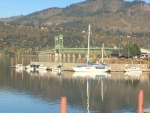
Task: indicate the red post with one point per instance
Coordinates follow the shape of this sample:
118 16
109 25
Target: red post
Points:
140 101
63 106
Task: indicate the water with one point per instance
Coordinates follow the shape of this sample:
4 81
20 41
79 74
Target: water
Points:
26 92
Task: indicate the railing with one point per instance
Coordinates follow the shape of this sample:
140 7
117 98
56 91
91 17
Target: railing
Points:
95 51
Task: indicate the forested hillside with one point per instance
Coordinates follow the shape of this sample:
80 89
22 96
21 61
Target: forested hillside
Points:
113 22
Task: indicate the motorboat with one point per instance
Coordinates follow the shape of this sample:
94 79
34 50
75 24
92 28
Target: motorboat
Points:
36 67
19 66
41 67
30 67
56 68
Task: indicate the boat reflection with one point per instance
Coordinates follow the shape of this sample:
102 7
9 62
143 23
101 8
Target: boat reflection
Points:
37 72
133 75
19 70
93 75
56 73
89 77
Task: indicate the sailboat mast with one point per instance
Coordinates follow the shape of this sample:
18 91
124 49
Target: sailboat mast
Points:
88 52
88 96
102 51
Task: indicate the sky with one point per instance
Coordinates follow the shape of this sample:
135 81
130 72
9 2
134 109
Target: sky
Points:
10 8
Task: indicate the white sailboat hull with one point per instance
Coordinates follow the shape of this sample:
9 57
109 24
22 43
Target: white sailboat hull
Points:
127 70
133 69
89 69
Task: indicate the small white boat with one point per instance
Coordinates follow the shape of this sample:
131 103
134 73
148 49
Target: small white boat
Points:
19 66
133 69
34 67
30 67
41 67
56 69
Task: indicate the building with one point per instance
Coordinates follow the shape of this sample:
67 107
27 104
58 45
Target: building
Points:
115 53
144 53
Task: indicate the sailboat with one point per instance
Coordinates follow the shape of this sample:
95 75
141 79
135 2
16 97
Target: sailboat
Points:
90 67
133 69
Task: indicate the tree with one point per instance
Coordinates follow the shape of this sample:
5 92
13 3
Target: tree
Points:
131 50
135 50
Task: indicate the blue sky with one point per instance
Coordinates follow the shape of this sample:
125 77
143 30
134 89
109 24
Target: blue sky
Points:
17 7
10 8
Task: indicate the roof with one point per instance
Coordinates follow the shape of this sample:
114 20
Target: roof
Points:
145 50
116 51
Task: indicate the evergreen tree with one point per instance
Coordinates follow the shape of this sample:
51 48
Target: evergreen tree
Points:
135 50
131 50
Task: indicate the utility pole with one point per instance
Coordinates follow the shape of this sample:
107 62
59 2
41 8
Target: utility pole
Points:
128 47
128 51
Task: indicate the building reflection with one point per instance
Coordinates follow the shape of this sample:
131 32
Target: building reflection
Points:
90 91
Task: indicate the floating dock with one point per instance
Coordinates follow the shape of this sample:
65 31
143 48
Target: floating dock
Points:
114 67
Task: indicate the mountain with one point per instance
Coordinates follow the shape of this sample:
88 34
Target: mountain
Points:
106 14
112 22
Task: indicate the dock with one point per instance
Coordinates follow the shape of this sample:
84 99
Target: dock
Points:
114 67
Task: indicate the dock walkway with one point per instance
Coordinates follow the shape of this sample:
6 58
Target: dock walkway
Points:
114 67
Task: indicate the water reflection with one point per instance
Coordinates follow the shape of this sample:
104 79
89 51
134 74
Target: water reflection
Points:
89 76
133 76
100 92
103 92
94 75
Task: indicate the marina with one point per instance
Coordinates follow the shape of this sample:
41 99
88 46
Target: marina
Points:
46 90
114 67
68 64
89 56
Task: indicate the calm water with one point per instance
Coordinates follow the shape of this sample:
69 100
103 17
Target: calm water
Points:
26 92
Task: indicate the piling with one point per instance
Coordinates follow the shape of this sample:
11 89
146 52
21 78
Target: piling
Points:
63 107
140 101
